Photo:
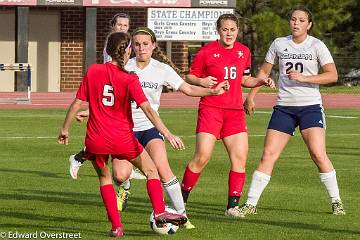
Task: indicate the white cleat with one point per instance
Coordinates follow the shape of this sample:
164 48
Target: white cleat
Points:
137 174
74 167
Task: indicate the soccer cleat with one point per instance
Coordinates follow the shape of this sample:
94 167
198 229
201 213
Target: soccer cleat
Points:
173 218
248 209
188 225
74 166
137 174
241 212
338 208
122 196
117 232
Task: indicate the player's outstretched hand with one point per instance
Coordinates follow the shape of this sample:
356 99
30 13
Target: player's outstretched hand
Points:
221 88
80 116
249 106
63 137
175 141
208 82
269 82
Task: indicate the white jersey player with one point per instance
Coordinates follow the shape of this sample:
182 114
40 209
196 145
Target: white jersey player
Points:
306 58
299 104
153 78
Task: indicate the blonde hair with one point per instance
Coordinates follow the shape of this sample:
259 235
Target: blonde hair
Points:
157 53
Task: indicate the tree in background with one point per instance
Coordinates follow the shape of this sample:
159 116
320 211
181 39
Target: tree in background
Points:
264 20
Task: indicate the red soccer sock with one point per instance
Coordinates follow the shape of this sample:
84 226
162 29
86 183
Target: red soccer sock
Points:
189 180
236 183
109 198
156 195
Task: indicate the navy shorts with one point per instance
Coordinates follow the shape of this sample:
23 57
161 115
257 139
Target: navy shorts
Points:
286 118
146 136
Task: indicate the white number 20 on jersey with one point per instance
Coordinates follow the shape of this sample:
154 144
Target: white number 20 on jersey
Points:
108 96
230 73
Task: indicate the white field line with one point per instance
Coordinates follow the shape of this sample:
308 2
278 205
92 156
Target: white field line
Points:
188 136
263 112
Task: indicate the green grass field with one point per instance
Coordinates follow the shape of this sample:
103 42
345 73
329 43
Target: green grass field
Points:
38 195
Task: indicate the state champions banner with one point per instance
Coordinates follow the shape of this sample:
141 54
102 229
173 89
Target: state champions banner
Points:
185 24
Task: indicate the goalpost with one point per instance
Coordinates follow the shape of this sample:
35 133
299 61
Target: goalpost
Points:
18 67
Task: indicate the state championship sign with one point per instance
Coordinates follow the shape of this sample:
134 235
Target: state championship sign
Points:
185 24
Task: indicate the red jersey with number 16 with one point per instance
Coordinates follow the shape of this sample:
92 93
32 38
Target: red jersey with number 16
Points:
109 92
224 64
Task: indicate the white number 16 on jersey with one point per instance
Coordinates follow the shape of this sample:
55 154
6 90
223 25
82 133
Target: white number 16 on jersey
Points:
108 96
230 73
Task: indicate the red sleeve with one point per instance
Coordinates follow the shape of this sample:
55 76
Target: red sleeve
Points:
135 89
198 63
82 92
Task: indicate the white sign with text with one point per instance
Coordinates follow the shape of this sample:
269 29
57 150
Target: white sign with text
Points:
185 24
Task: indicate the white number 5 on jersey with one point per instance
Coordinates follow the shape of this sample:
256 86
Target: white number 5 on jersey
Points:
230 73
108 96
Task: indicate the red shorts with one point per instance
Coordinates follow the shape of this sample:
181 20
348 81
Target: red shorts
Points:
220 122
101 159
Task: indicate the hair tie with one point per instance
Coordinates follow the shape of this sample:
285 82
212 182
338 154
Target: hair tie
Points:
129 45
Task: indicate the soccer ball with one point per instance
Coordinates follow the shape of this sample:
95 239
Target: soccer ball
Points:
167 228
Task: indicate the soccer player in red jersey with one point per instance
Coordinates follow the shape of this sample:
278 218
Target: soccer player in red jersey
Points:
109 90
222 117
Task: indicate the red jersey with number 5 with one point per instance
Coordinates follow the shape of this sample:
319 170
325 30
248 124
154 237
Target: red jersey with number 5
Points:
109 92
224 64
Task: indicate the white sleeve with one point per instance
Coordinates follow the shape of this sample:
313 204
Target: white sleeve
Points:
271 54
323 54
172 78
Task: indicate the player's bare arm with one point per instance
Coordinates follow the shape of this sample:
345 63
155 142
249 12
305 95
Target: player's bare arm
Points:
329 75
63 137
206 82
80 116
252 82
196 91
249 103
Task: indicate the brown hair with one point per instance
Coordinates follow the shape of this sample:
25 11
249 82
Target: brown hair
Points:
305 10
157 53
226 16
113 20
116 47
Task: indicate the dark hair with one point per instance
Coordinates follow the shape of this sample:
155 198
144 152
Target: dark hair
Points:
116 47
116 16
305 10
157 53
226 16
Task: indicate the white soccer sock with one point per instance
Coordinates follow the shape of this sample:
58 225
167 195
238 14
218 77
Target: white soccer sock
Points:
258 183
173 190
126 185
331 185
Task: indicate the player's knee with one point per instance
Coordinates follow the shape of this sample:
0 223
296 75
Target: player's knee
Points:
200 161
269 156
319 157
121 175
